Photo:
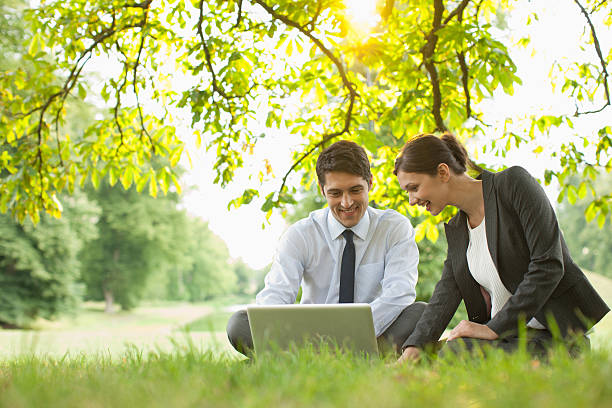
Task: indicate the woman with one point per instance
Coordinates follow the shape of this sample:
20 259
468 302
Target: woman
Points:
507 258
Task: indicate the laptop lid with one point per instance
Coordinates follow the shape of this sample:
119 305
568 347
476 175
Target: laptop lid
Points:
348 325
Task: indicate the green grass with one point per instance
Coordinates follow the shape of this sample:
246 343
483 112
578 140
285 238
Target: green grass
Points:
602 336
146 358
188 377
150 327
213 322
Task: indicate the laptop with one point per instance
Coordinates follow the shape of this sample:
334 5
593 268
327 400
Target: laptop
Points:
282 327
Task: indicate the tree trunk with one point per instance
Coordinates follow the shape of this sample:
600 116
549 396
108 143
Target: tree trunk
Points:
109 298
108 301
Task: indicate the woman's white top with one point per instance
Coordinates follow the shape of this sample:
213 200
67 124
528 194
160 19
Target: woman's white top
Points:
483 270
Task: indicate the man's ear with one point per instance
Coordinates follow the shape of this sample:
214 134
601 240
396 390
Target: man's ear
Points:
321 190
444 172
370 182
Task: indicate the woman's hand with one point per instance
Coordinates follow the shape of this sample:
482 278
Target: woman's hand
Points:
410 354
465 328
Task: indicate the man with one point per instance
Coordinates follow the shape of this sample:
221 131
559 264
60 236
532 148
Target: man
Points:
347 252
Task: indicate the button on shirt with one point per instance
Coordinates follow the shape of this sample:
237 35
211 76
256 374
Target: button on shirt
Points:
310 254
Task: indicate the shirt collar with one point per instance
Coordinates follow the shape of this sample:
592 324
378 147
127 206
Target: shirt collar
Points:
336 229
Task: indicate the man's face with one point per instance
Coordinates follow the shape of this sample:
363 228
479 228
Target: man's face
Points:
347 196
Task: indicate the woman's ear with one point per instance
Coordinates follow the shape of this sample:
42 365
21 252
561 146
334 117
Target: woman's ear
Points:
444 172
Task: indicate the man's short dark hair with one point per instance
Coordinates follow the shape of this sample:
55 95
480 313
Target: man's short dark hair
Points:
344 156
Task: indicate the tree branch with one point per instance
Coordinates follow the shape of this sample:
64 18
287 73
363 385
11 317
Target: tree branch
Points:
352 93
118 102
477 10
342 71
73 76
143 128
313 21
57 141
215 83
239 17
601 3
428 51
458 11
326 138
465 71
465 74
601 60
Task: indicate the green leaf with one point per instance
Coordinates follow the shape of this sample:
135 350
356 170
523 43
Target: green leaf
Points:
164 181
591 212
571 195
82 91
420 232
153 185
248 195
176 183
95 178
36 44
269 203
126 177
582 190
432 232
176 156
112 175
601 220
141 181
561 194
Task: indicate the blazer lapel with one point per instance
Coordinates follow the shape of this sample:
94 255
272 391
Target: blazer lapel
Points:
490 204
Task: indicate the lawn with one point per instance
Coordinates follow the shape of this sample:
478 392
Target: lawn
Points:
188 378
177 355
151 327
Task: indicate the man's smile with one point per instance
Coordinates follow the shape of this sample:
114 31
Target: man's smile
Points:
348 211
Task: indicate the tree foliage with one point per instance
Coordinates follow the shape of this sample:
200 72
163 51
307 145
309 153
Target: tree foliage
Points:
40 264
297 66
147 248
138 235
204 272
590 243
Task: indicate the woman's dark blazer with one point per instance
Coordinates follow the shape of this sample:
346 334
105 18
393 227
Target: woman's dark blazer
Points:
532 260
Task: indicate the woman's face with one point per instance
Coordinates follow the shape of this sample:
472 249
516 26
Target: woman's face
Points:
425 190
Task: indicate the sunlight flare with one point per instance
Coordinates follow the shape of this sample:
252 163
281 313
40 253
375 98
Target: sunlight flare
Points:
362 16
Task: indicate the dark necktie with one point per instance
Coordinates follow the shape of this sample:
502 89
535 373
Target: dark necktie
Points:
347 269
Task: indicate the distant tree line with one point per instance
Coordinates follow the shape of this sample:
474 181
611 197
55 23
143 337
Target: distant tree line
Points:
114 245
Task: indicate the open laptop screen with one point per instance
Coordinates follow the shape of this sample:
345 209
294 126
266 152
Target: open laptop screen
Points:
347 325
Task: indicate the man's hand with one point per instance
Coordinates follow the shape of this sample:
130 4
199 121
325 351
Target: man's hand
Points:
466 328
410 354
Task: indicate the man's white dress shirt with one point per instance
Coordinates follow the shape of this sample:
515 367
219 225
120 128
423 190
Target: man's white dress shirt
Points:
310 254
